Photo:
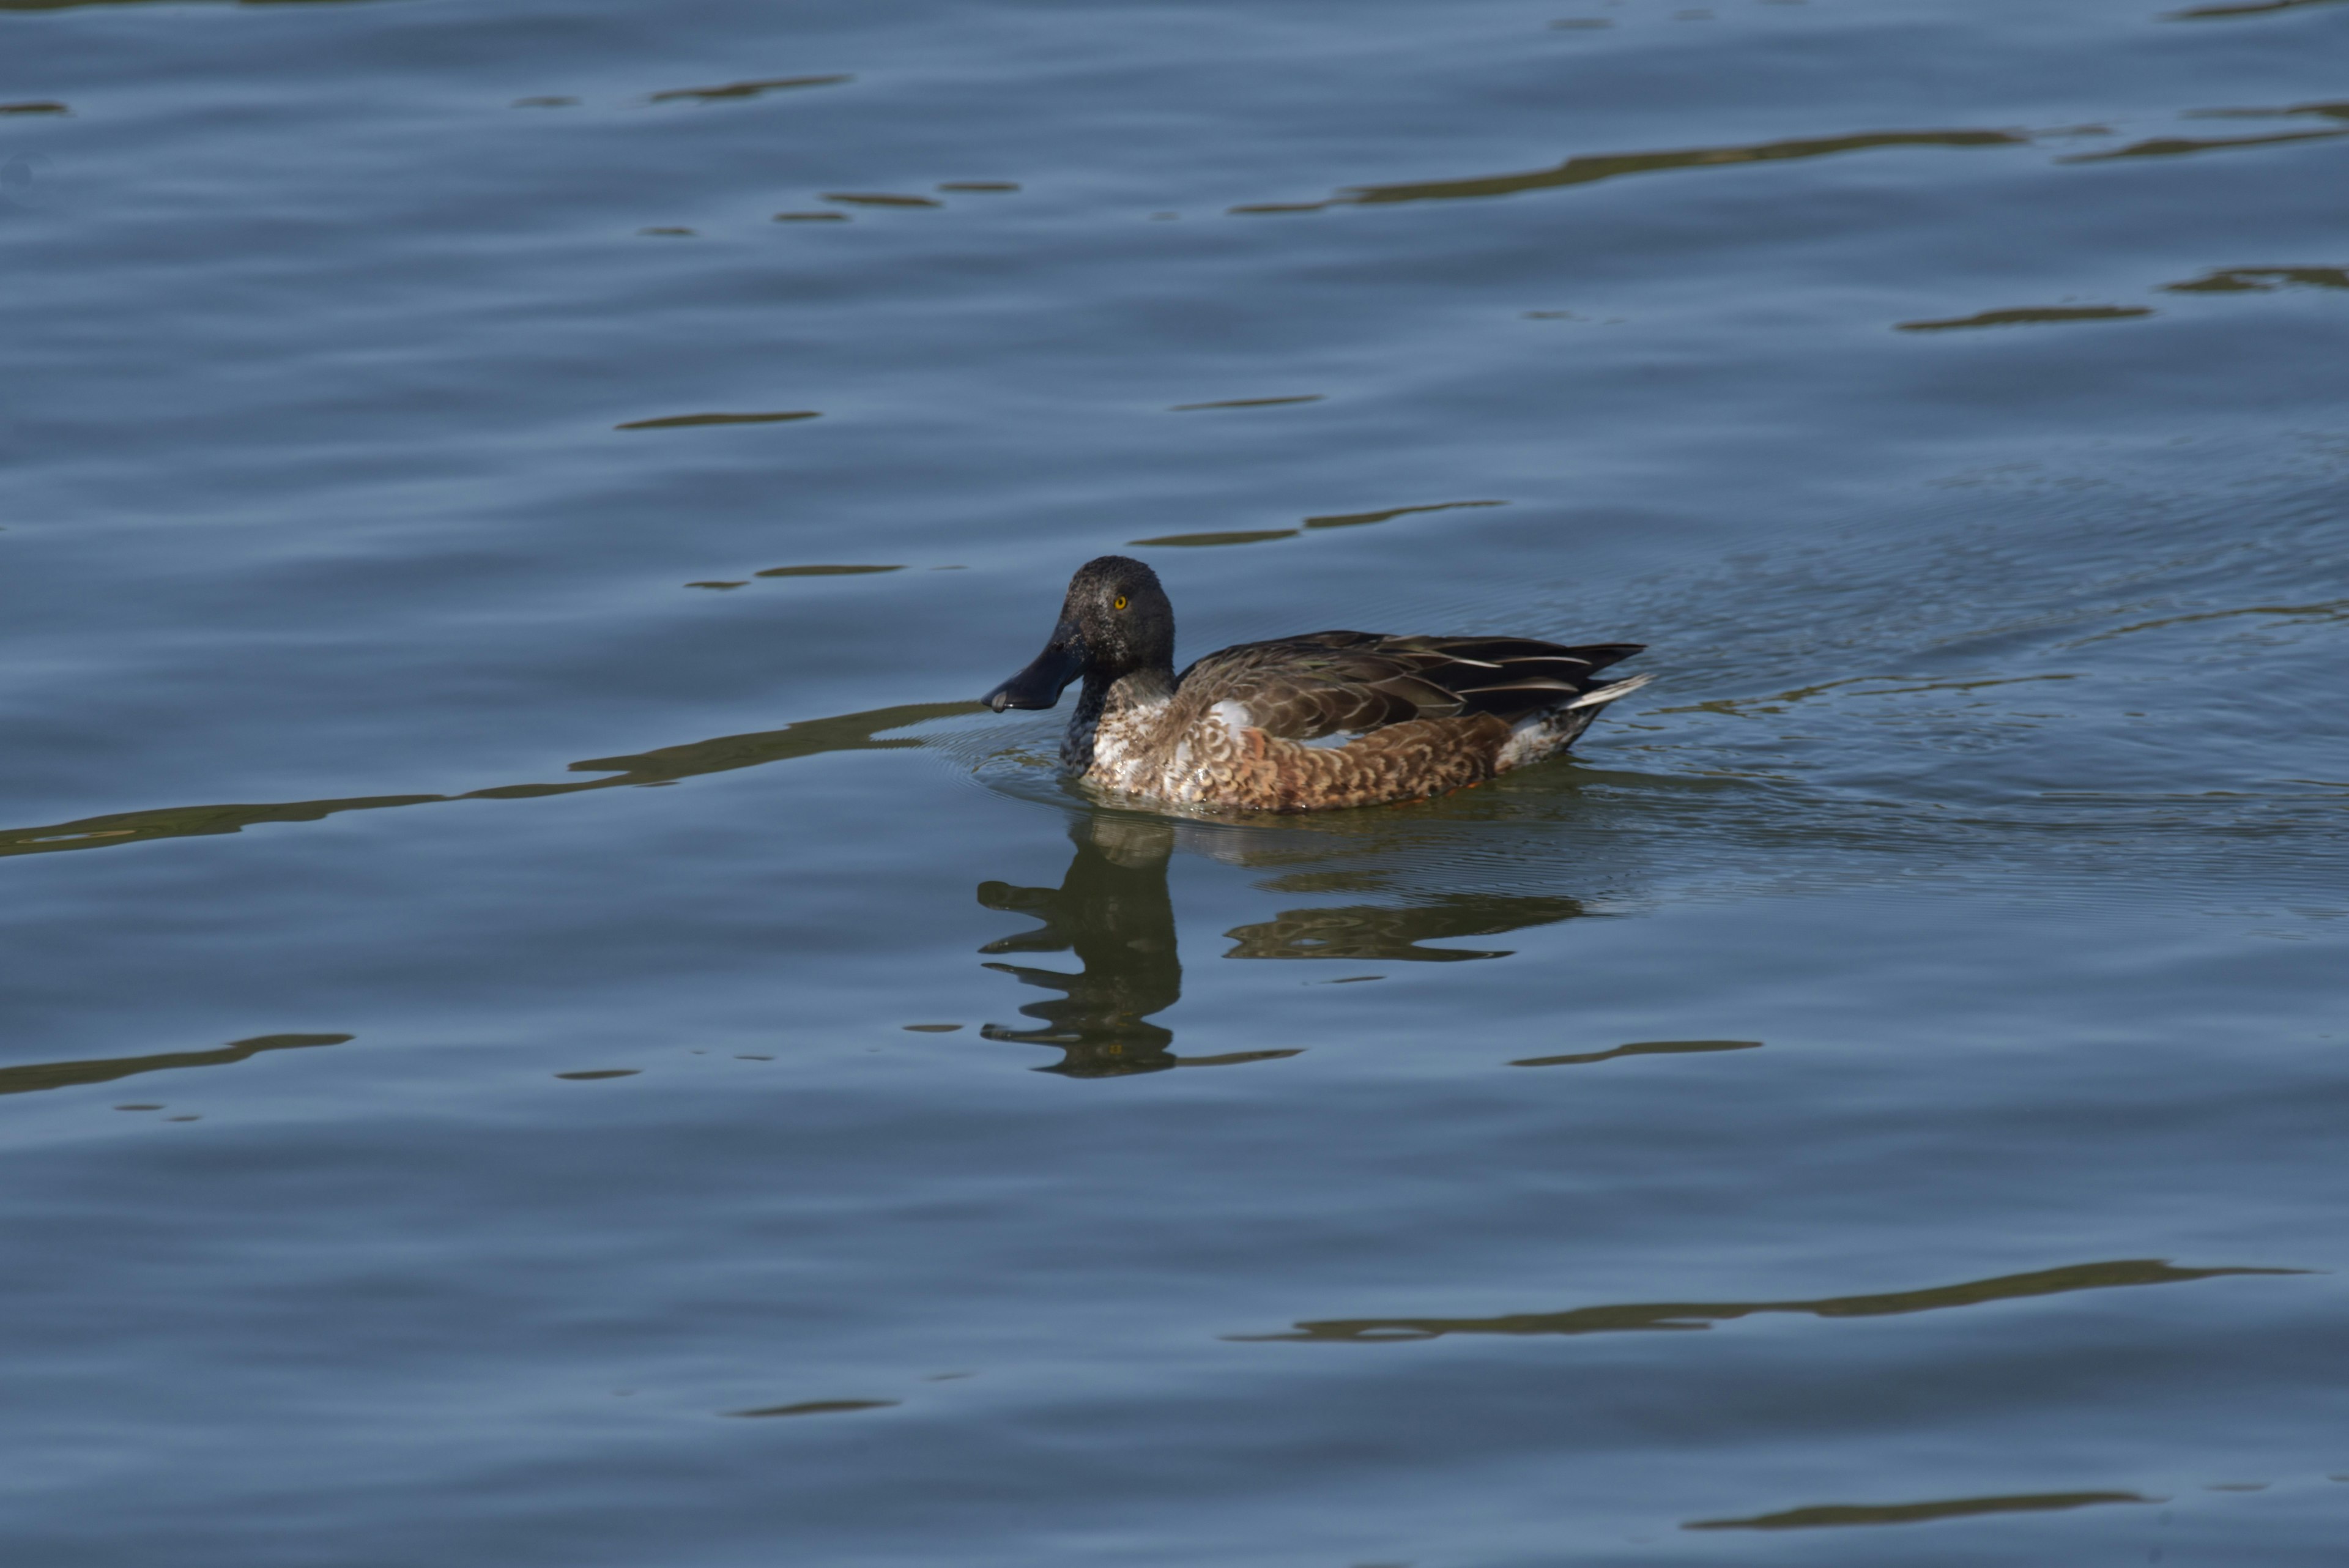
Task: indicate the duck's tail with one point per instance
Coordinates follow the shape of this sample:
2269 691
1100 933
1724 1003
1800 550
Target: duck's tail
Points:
1607 691
1550 732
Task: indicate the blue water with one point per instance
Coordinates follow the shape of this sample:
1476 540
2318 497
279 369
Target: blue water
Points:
526 1041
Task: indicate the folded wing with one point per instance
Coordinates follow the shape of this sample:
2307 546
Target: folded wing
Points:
1332 682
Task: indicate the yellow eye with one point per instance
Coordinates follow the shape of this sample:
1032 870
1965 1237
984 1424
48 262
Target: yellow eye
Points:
1121 602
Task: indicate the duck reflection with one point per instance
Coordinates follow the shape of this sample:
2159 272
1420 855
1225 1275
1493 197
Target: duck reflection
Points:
1112 911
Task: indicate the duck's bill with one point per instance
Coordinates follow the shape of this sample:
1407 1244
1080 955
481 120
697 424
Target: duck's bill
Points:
1040 684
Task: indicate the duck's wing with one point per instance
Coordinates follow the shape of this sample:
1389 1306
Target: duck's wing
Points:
1329 683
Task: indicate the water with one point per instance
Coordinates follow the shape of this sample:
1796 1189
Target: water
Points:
536 1034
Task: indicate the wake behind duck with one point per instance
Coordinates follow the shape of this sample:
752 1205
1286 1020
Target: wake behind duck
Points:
1416 716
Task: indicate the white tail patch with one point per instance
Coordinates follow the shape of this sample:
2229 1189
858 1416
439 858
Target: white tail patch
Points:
1607 694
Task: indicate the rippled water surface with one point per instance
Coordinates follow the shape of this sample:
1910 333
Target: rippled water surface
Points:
542 1025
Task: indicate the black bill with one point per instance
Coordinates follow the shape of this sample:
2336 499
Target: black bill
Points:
1040 684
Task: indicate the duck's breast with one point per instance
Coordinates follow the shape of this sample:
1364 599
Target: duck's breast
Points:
1132 746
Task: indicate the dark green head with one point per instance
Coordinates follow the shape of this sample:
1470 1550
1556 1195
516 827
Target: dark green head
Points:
1114 621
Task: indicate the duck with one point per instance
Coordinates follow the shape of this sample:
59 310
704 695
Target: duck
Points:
1321 721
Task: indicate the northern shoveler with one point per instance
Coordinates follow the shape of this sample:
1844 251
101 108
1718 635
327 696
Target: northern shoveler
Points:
1299 724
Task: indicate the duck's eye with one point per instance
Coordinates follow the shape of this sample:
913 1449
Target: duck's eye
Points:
1119 603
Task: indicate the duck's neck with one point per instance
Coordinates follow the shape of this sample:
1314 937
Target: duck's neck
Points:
1134 689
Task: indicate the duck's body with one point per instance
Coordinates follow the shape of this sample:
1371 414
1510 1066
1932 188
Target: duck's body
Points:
1299 724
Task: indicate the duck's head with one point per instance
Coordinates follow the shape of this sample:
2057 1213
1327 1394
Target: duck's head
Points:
1114 621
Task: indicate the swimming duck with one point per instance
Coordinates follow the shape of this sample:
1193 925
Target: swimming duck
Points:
1298 723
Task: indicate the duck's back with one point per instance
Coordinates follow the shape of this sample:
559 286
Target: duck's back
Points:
1330 682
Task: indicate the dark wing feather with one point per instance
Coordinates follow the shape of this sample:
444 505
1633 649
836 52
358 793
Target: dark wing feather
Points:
1330 682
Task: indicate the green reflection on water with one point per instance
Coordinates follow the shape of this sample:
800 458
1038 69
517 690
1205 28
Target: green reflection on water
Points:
1641 1048
692 422
2234 9
1227 537
1358 519
736 91
1246 403
2260 279
1829 1514
2337 610
817 1407
74 5
2029 315
809 737
1690 1315
1264 536
2335 109
66 1075
2179 146
1396 931
1587 170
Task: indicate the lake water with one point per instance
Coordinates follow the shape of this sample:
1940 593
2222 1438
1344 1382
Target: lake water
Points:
541 1030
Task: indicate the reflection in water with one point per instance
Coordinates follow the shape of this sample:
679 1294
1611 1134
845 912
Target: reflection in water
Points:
1704 1315
811 737
2178 146
66 1075
2260 279
1610 166
2338 610
1339 520
1224 536
2337 110
1395 932
2230 9
1918 1512
689 421
1356 519
75 5
736 90
1246 403
819 1408
1641 1048
2029 313
1111 911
